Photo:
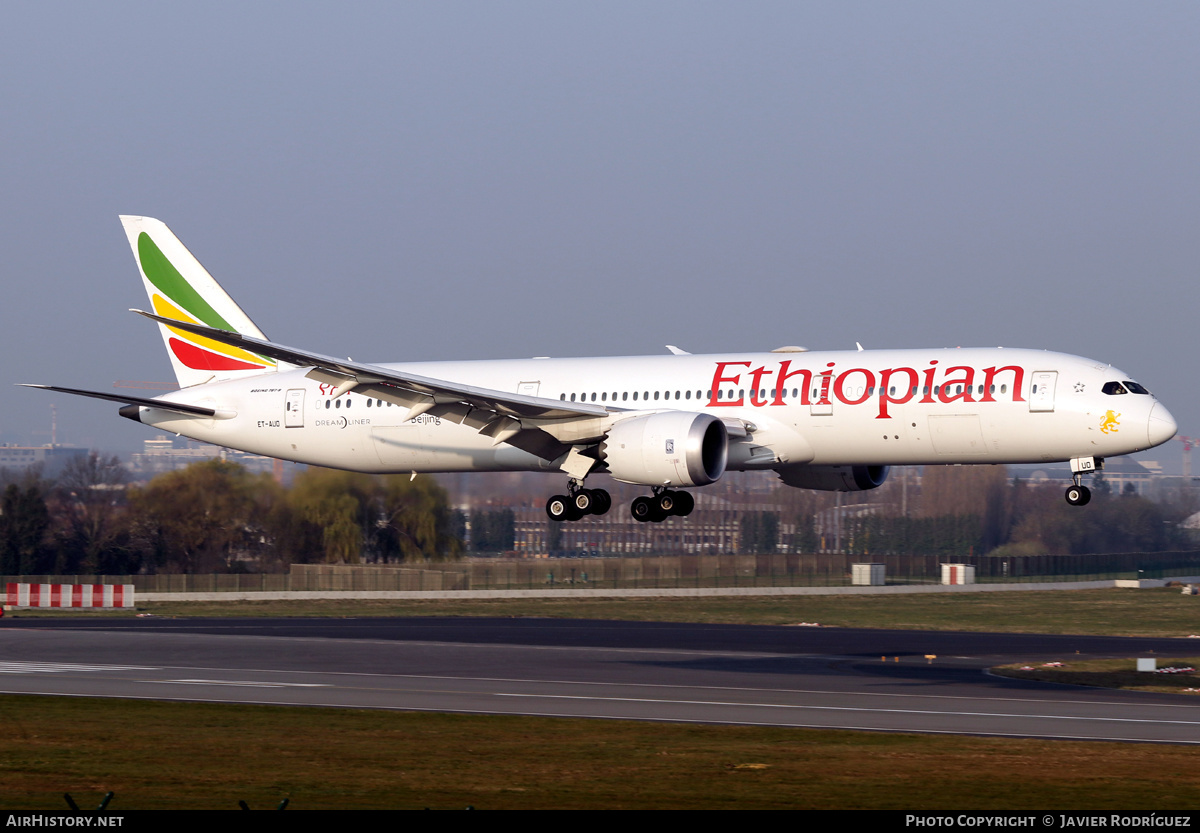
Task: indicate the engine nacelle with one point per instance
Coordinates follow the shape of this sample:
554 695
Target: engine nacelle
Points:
834 478
673 448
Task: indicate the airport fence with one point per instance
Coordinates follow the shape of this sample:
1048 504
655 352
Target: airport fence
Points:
666 571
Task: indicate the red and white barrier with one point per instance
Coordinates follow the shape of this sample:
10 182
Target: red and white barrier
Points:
69 595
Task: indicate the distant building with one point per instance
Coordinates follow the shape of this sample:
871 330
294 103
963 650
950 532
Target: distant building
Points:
51 458
162 454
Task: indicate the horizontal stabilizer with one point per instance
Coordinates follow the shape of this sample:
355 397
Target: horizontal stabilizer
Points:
177 407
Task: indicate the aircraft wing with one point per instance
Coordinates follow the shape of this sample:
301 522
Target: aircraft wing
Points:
506 417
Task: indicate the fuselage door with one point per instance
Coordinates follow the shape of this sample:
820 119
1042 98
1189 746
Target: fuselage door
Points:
1041 391
822 404
293 409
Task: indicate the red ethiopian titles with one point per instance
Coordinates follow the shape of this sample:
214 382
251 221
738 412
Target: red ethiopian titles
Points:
893 386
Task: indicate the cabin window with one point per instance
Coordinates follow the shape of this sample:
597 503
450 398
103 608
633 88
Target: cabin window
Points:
687 395
572 397
625 396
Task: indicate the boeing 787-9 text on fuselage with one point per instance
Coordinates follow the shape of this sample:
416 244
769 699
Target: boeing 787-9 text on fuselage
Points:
819 420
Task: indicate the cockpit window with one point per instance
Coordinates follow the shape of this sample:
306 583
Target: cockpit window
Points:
1114 388
1136 388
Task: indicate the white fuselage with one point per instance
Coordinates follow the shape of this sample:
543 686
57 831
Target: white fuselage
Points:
885 407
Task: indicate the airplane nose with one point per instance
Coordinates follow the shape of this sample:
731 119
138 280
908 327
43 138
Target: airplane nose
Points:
1162 425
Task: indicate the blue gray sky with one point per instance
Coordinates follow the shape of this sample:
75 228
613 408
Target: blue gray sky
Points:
411 181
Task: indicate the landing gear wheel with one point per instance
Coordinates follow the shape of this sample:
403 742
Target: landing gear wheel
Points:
666 503
684 503
584 501
601 501
559 508
1078 495
642 509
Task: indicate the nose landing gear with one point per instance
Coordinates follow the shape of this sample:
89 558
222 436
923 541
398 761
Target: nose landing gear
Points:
1078 494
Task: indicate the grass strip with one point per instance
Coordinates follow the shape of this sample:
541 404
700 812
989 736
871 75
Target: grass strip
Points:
160 755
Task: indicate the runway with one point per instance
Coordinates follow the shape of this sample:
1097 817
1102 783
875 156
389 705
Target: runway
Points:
751 675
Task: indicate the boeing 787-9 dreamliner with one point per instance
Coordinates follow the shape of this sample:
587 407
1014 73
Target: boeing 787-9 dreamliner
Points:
818 420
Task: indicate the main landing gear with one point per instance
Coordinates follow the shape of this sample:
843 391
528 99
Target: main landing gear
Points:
652 508
661 505
578 503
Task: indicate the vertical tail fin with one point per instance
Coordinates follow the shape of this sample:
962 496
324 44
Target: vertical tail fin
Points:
180 288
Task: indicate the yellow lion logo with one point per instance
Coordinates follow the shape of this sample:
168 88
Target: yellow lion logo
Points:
1109 424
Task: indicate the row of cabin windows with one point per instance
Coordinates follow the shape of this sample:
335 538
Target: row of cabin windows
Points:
762 393
741 394
337 403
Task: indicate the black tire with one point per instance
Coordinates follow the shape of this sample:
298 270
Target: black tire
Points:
601 502
642 509
559 508
584 501
665 503
1078 495
684 503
